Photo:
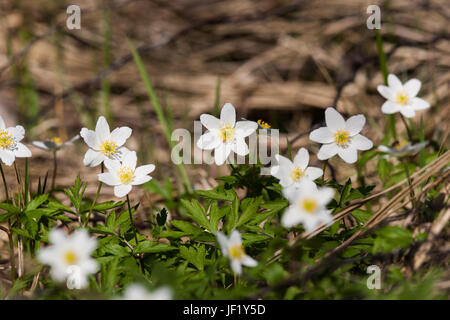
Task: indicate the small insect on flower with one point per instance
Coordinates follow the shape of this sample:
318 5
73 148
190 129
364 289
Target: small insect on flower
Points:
403 148
10 146
139 292
225 134
341 137
307 206
124 175
104 144
292 174
233 249
67 253
54 144
402 97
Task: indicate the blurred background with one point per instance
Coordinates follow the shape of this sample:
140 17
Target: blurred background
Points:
280 61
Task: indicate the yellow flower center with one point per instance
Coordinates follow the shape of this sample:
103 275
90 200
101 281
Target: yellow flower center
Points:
341 138
126 175
108 148
6 139
401 144
263 124
297 173
309 205
237 251
57 141
70 257
402 98
227 133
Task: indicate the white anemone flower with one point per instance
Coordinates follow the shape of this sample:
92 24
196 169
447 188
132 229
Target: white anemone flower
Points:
341 137
54 144
225 134
10 146
233 249
124 175
404 148
402 97
67 252
308 207
292 174
104 144
139 292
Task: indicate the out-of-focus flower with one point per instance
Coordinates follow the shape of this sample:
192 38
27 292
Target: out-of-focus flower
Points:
307 206
404 148
68 251
123 175
233 249
54 144
139 292
104 144
292 174
263 125
402 97
10 146
225 134
341 137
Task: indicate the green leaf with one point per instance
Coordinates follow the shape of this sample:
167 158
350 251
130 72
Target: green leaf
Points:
197 213
10 208
108 205
250 211
226 195
215 214
153 247
187 227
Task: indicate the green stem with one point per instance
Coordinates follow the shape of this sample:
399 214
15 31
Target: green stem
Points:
91 209
55 168
131 220
408 130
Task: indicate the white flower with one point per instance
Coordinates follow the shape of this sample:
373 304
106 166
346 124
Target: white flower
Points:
139 292
341 137
65 252
123 175
404 148
402 97
307 206
104 144
54 144
225 134
233 249
291 174
10 146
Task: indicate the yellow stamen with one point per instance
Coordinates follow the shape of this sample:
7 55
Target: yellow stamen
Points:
57 141
6 139
297 173
341 138
126 175
227 133
309 205
400 145
70 257
263 124
108 148
237 251
402 98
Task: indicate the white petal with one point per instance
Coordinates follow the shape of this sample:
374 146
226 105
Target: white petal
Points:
122 190
355 124
361 143
228 114
2 123
22 151
40 145
313 173
412 87
327 151
386 92
390 107
325 195
236 266
144 170
210 122
141 180
112 165
109 178
235 238
240 147
221 154
120 135
419 104
90 138
322 135
384 148
291 217
223 242
301 160
408 111
334 120
93 158
7 157
130 160
57 236
208 141
394 83
18 132
349 154
249 261
310 223
245 128
292 193
102 129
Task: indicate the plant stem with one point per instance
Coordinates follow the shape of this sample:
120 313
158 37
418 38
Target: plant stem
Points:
131 220
55 168
20 267
91 209
408 131
411 190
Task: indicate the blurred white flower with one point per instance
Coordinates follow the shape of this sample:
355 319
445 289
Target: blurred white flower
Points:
233 249
404 148
104 144
225 134
68 251
139 292
10 146
402 97
341 137
123 175
54 144
292 174
308 207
